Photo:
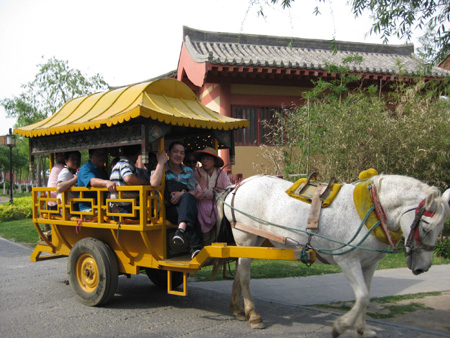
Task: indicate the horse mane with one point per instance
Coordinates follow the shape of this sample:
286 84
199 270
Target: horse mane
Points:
434 200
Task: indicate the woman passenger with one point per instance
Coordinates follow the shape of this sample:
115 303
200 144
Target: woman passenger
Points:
209 178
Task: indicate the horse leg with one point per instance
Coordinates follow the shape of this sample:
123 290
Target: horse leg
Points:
353 273
236 295
254 319
361 326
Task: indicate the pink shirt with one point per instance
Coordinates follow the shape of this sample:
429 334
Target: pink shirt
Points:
52 180
204 194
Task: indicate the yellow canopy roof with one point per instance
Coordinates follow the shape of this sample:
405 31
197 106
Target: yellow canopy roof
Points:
165 100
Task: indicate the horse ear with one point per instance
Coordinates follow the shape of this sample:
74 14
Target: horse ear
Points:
430 202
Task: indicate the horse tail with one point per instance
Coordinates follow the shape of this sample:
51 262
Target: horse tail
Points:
224 232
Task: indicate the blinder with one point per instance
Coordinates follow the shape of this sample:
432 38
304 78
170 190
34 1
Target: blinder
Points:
413 241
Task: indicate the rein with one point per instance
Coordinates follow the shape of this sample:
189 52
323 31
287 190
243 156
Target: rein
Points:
323 250
381 216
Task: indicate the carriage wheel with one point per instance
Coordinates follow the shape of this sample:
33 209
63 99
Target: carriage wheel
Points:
93 272
159 278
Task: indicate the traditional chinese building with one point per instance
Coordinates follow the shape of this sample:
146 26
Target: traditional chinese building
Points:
251 76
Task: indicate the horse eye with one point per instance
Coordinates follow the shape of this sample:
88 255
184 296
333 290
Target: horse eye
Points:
425 231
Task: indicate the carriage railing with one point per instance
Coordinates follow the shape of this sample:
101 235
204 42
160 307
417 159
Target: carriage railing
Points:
146 211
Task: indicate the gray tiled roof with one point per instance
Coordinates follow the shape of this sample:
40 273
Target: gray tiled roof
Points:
285 52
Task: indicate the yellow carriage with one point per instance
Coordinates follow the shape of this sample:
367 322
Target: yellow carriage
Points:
99 248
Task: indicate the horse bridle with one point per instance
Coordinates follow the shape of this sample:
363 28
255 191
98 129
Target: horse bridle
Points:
413 241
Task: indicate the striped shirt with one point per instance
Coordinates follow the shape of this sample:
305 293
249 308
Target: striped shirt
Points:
185 176
122 169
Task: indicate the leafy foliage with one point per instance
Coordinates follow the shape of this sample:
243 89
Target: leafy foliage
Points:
22 208
443 248
397 18
54 85
4 157
344 129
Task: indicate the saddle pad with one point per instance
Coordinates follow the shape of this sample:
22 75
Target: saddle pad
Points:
363 203
334 191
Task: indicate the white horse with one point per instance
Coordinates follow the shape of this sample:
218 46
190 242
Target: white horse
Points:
261 202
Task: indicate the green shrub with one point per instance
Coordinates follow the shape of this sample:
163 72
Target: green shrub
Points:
443 248
22 208
446 230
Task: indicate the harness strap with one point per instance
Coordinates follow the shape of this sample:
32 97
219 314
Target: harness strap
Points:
258 232
316 206
234 195
414 232
426 212
232 203
381 216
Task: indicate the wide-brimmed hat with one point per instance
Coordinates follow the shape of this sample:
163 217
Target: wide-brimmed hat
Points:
210 152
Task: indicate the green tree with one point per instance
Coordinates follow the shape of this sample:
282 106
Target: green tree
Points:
400 17
4 158
54 84
397 18
344 129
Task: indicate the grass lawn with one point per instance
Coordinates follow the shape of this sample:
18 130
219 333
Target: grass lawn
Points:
262 268
21 231
15 195
24 232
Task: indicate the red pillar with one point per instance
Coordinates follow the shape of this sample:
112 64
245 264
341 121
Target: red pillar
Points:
225 109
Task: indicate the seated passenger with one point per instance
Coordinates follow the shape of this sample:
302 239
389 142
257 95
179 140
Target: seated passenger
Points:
149 167
53 177
124 173
93 174
190 160
181 206
68 177
209 178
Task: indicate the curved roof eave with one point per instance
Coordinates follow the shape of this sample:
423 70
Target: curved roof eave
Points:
165 100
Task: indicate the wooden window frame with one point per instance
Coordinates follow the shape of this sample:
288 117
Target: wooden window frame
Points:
254 134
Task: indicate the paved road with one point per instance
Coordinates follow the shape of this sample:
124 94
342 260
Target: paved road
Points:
35 301
325 289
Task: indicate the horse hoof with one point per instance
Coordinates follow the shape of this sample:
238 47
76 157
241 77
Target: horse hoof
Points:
259 325
335 333
367 333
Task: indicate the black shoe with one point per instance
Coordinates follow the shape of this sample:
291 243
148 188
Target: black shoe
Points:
178 238
194 253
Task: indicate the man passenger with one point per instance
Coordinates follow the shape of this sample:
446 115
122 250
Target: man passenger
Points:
181 205
124 173
93 174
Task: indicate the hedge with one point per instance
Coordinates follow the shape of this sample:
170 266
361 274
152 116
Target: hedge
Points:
21 208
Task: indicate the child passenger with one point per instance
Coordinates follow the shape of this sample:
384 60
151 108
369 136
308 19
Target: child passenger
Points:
68 177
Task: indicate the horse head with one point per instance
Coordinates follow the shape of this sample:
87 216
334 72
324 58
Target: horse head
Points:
421 227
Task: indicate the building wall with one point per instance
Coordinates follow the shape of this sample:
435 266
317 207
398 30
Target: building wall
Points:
220 97
248 159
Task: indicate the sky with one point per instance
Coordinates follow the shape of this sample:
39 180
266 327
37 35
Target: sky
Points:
134 40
